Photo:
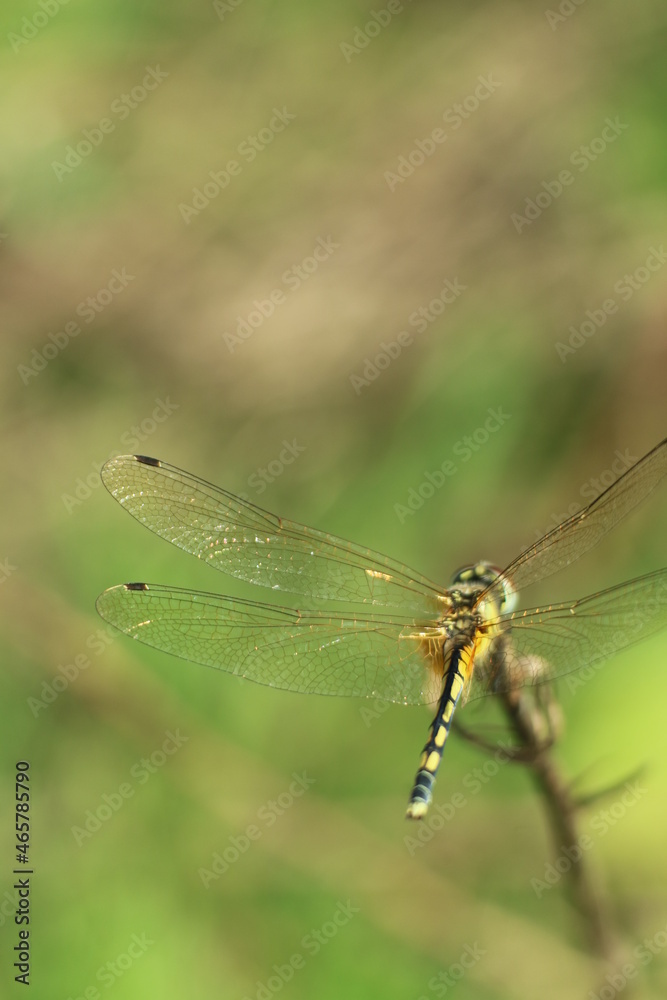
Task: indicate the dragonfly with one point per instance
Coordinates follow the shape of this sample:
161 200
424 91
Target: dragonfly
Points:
372 627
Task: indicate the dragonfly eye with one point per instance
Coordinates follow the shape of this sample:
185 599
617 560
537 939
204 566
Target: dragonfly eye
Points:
510 596
480 572
484 574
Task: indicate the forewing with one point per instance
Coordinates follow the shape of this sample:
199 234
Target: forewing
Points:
579 533
545 643
246 542
313 652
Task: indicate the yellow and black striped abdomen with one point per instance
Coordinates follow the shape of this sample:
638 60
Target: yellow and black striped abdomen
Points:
457 671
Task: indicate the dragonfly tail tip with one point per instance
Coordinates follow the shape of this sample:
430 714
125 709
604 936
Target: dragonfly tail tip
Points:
416 810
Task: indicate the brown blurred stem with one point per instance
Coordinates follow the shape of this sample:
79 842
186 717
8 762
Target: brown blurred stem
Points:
526 717
561 809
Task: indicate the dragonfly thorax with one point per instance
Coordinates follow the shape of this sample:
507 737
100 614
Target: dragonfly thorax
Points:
478 596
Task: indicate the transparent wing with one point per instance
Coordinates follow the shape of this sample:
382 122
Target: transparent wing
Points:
544 643
579 533
314 652
246 542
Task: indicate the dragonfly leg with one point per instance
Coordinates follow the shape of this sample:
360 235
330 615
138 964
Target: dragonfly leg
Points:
512 753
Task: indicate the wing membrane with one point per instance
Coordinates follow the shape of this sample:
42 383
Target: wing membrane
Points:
314 652
380 643
579 533
246 542
545 643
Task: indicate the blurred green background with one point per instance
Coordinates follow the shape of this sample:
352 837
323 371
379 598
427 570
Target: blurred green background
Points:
419 143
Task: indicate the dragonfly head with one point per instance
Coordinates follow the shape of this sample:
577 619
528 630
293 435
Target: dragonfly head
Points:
478 576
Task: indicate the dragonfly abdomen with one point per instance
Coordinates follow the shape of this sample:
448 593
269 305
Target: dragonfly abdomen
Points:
457 671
